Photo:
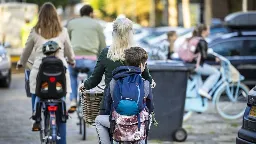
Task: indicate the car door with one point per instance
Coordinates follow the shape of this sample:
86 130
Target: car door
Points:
238 52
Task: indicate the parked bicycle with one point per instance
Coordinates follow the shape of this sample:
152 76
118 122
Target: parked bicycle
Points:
229 95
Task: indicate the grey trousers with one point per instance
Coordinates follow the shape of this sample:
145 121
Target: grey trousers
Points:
102 128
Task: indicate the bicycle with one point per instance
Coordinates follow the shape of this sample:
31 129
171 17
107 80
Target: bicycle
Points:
82 75
225 93
51 111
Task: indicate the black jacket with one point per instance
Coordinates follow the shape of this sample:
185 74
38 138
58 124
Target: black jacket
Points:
202 47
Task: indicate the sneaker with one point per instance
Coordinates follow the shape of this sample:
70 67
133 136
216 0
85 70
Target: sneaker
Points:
204 94
73 105
36 126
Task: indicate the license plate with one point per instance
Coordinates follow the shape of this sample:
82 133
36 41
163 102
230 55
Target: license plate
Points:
253 112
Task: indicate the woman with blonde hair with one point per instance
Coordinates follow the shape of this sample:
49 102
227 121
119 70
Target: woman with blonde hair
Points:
48 28
111 58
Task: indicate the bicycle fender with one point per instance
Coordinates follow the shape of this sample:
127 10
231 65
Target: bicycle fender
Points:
220 89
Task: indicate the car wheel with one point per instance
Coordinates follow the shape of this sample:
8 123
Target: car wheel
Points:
6 82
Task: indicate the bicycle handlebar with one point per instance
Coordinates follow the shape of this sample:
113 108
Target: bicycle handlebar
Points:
222 58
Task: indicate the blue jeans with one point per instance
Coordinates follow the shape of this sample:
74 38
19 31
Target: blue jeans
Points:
212 73
80 63
62 126
33 97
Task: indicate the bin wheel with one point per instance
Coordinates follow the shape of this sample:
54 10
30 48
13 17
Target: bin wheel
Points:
180 135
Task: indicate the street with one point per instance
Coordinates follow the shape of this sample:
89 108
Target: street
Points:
15 126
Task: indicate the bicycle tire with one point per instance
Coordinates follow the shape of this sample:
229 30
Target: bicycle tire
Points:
42 125
83 130
245 91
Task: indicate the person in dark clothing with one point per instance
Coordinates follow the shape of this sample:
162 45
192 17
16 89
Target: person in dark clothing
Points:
135 58
213 73
172 36
113 57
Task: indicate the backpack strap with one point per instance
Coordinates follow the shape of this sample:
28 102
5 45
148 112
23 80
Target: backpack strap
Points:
146 92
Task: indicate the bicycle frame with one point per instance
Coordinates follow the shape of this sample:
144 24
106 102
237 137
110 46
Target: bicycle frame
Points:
225 80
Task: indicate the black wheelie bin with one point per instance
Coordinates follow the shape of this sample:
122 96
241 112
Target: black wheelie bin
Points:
169 99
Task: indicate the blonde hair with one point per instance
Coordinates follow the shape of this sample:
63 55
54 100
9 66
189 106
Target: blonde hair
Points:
122 38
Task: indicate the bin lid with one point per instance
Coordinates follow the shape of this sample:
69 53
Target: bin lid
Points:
169 65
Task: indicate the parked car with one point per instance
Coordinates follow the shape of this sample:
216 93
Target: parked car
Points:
158 51
158 35
5 68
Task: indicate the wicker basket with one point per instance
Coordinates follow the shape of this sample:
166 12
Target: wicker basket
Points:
91 101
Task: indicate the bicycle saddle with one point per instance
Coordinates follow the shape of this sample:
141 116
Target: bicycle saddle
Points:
82 70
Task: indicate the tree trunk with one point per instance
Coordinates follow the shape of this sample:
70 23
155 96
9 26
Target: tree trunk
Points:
153 14
186 14
208 12
172 13
245 5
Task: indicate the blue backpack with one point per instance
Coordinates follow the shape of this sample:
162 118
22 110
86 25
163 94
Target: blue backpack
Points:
128 95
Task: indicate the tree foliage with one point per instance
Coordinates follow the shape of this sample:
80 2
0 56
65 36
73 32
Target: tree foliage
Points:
55 2
138 9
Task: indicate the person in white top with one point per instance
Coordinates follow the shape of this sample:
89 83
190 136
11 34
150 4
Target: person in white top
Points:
48 28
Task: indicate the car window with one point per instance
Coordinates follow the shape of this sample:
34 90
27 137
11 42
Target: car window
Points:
218 30
230 48
252 46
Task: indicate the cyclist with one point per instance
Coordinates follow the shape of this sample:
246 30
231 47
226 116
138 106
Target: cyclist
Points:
88 40
213 73
48 28
113 57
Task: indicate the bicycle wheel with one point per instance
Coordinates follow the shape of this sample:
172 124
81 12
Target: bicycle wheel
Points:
79 115
42 125
83 129
229 109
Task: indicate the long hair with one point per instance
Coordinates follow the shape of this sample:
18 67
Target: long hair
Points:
199 30
48 25
122 38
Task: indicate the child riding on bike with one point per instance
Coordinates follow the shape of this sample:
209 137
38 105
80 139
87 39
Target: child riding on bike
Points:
129 100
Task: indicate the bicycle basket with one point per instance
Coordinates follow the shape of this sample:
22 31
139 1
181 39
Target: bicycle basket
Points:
231 73
90 102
